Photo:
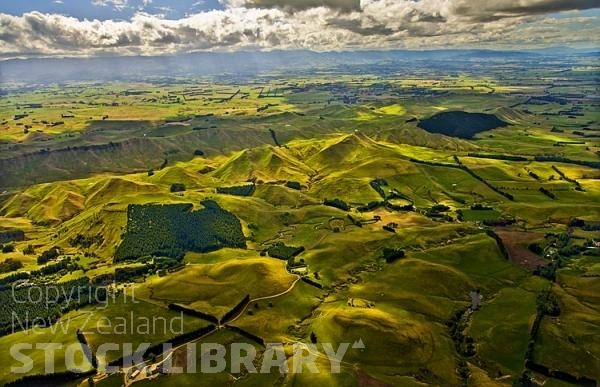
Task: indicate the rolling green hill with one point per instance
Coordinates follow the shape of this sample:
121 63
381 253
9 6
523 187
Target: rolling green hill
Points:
271 219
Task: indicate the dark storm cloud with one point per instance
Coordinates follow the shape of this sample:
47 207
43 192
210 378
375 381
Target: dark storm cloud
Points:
493 10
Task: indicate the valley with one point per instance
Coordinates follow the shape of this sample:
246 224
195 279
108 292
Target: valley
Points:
354 203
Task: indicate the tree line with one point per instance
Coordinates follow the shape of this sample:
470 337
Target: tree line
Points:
239 190
23 307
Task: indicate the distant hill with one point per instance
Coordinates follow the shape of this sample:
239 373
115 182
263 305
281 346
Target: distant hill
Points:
240 64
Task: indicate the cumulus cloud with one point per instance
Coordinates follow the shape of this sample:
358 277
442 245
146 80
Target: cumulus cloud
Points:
304 24
498 9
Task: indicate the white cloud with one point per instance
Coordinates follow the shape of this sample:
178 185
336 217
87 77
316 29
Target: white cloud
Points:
118 5
245 25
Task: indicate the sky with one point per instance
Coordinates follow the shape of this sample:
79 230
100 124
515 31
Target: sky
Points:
82 28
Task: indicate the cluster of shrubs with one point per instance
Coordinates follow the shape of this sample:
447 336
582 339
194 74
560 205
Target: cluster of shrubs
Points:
130 273
177 187
312 282
11 235
170 230
500 222
548 271
337 203
149 265
439 211
585 225
438 208
392 254
376 204
564 250
480 207
377 185
457 325
536 248
547 304
240 190
167 263
489 222
395 207
48 255
9 265
370 206
7 248
281 251
391 227
293 185
576 222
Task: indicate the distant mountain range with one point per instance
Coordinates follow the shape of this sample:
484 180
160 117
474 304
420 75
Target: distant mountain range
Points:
243 63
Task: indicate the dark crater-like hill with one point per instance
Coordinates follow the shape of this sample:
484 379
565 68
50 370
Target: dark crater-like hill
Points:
461 124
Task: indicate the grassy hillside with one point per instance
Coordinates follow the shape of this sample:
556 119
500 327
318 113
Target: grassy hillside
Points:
196 193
